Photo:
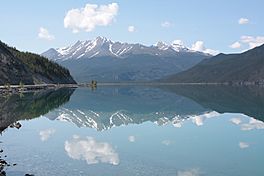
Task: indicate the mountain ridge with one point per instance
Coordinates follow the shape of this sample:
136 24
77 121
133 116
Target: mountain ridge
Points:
106 61
101 46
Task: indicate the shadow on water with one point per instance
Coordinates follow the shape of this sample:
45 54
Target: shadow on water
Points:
225 99
14 108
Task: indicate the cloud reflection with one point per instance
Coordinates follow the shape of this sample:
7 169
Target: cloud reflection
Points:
199 120
243 145
236 120
45 134
190 172
91 151
131 138
252 124
166 142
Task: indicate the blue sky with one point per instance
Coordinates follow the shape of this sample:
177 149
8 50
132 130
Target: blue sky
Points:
214 23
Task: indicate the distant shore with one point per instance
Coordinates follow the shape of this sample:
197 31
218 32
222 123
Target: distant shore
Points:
29 88
175 84
35 87
150 84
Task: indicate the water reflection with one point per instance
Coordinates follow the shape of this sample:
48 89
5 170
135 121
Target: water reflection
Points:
170 131
190 172
223 99
243 145
106 107
31 105
14 108
248 124
46 134
91 151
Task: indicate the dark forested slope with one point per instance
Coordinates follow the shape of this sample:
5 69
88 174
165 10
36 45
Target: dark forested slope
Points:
23 67
247 67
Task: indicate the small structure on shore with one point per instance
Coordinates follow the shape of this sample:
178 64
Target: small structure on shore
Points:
93 84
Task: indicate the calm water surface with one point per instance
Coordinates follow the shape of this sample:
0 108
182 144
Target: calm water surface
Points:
130 131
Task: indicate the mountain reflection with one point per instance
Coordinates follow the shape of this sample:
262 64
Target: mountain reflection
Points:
225 99
30 105
109 107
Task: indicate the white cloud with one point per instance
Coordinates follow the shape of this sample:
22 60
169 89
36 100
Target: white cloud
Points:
243 21
243 145
46 134
199 46
131 138
236 120
177 42
252 124
91 151
166 24
166 142
190 172
44 34
235 45
131 28
252 41
90 16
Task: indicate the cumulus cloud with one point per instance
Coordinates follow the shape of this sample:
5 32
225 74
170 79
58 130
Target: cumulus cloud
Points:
46 134
44 34
243 21
91 151
131 138
131 28
243 145
190 172
252 41
236 120
235 45
90 16
177 42
199 46
166 24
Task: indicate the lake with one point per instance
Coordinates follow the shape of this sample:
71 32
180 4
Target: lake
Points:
134 131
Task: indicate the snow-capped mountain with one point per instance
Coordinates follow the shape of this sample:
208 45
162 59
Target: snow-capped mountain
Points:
102 46
106 60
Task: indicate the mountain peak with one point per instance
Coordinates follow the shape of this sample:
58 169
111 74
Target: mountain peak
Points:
178 46
161 45
101 39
